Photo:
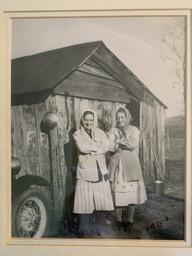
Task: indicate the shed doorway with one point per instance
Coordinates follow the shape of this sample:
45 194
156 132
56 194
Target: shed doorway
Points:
134 107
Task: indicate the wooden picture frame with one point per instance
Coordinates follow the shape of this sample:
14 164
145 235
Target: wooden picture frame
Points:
20 9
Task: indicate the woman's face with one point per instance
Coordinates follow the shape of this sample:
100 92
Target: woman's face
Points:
121 119
89 121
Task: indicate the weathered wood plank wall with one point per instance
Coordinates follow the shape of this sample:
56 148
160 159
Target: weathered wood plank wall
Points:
30 145
152 141
92 82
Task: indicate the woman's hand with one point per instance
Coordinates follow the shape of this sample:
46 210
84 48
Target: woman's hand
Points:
124 144
99 149
116 144
118 141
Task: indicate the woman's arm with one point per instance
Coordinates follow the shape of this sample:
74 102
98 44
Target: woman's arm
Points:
113 140
102 142
84 146
132 141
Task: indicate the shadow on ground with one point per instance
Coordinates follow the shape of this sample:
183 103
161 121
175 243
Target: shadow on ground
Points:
160 217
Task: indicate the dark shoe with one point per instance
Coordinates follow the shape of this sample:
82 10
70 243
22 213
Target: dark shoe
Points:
119 225
84 234
129 226
124 225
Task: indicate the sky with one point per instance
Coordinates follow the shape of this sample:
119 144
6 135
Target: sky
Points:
151 47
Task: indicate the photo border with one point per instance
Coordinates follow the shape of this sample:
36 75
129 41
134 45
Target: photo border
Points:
6 28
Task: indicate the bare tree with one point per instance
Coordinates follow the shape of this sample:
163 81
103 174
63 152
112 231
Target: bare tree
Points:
172 40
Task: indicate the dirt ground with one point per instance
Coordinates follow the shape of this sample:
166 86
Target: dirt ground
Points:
160 217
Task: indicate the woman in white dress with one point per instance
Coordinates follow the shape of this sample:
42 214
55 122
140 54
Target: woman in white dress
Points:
124 169
93 192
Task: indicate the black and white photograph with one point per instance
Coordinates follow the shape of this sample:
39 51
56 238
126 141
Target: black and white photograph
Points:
98 121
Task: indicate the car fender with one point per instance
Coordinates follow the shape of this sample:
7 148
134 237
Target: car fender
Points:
24 182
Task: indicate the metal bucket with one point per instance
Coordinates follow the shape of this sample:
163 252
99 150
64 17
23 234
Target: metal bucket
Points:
159 187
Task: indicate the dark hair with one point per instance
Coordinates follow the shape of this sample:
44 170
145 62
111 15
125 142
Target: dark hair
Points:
87 113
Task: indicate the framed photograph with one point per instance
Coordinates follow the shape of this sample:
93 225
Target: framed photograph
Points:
96 136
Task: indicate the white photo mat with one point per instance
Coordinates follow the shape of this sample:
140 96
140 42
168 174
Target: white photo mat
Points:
10 246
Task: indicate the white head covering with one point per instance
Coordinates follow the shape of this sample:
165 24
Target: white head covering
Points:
95 121
127 113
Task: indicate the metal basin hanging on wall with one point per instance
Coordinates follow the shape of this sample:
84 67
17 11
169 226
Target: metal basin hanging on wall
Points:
49 122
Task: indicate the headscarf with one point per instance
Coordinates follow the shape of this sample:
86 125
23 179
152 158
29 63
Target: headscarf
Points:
95 122
122 131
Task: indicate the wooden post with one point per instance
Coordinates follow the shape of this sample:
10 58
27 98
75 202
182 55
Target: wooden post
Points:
51 178
48 123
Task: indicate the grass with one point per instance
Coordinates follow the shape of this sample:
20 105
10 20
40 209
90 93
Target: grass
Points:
175 179
175 155
160 217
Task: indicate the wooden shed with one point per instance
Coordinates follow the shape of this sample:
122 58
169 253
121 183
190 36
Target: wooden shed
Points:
66 81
